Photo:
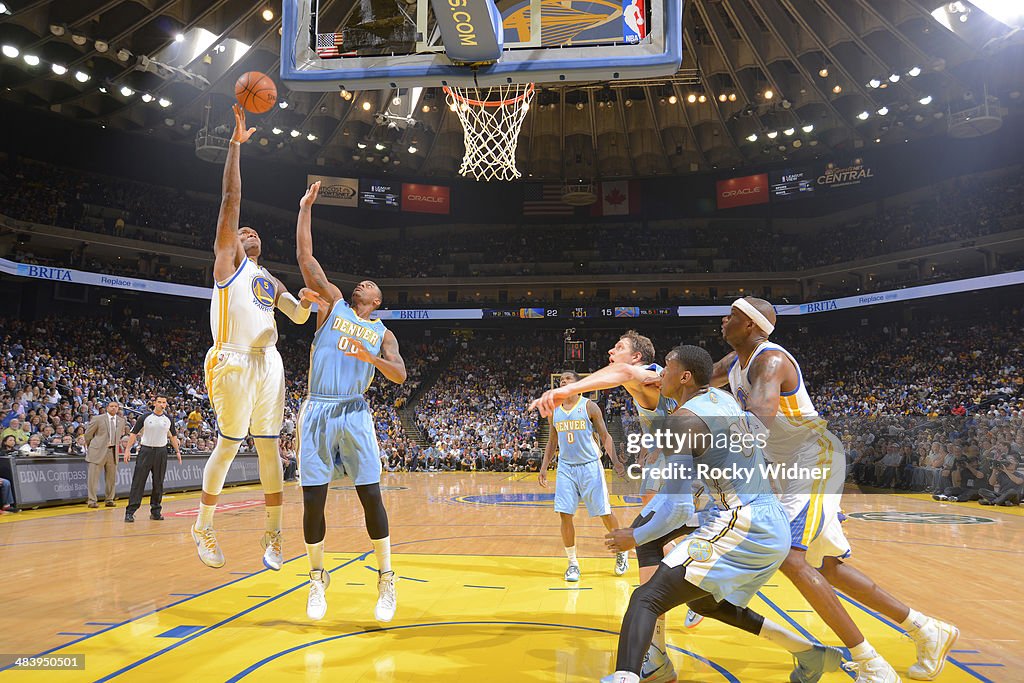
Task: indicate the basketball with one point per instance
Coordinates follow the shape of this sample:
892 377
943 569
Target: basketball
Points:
256 92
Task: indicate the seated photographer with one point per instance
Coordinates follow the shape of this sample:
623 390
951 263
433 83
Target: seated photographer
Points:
967 479
1006 482
33 448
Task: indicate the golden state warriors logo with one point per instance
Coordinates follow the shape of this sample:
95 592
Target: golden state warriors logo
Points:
699 550
263 290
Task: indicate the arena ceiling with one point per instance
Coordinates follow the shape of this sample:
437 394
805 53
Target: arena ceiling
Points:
762 80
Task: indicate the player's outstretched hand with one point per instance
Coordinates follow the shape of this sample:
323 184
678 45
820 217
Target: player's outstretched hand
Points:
358 351
313 296
241 134
620 540
652 381
309 198
542 479
545 405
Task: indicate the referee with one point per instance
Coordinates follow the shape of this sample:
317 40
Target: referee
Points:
156 428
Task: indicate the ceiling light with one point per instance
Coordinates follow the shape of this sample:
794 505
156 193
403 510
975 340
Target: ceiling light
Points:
361 145
57 30
295 133
10 51
894 78
789 131
752 137
702 99
773 134
78 39
837 88
345 95
883 111
164 102
874 83
579 106
126 91
59 69
878 140
412 149
366 105
283 104
3 9
268 14
276 131
32 60
103 90
123 55
863 116
396 100
310 137
927 99
914 71
81 77
768 94
672 99
379 147
628 102
797 143
823 72
723 97
179 38
146 97
425 109
732 97
691 98
808 128
101 46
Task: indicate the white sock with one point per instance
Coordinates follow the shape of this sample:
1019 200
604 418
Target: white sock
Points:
571 554
626 677
315 551
273 518
914 620
205 518
787 640
382 549
659 634
862 652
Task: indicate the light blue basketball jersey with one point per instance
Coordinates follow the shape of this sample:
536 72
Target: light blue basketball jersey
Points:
576 443
726 422
332 374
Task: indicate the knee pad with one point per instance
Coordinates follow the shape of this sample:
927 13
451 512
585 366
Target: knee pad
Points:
216 470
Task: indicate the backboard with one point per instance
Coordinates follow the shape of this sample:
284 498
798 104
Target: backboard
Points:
387 44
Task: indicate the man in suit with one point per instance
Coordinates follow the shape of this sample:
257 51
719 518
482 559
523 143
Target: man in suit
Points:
102 437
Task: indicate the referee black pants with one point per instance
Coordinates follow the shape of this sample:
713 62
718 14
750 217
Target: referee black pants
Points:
151 460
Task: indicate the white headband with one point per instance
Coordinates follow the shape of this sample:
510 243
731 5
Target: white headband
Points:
755 315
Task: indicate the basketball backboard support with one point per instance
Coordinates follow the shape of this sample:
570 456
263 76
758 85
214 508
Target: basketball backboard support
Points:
387 44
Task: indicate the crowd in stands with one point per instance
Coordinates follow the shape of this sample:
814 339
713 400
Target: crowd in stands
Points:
29 191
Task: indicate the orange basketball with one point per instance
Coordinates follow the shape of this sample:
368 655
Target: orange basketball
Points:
256 92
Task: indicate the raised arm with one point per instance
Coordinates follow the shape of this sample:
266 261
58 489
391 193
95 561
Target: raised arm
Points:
597 419
720 375
297 310
312 274
227 249
608 377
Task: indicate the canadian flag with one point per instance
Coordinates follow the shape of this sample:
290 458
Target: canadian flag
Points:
618 198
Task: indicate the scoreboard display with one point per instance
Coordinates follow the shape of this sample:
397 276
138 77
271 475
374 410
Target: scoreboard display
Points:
380 194
583 312
791 184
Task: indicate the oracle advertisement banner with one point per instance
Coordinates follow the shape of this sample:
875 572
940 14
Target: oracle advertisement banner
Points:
745 191
426 198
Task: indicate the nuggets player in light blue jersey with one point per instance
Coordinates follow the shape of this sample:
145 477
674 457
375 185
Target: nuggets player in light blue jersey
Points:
720 566
336 431
576 424
631 366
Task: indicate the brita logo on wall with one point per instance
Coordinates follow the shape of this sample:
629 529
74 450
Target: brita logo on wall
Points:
836 175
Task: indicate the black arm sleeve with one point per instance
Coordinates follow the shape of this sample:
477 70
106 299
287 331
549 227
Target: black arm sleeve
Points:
173 430
140 423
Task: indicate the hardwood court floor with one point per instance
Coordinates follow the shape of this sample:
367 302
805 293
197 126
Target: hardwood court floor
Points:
481 596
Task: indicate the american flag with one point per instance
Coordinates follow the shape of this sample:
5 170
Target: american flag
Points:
545 200
328 45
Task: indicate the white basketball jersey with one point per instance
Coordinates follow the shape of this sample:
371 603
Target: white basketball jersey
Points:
795 433
242 309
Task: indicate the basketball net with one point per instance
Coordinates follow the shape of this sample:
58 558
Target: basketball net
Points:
491 120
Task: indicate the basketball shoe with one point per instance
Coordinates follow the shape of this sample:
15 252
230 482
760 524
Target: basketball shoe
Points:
207 547
692 619
572 573
621 563
934 639
874 670
316 603
387 600
273 555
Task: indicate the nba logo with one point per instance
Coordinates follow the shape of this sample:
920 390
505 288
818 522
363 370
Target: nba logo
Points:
634 21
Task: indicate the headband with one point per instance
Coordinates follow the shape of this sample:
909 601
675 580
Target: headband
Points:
755 315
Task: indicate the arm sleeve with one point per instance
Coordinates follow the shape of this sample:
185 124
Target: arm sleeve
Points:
673 505
173 430
140 423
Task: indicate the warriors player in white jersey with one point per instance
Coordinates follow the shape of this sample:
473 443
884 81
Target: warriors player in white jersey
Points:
766 381
244 374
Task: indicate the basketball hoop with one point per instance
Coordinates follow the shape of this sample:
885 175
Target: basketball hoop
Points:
491 120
